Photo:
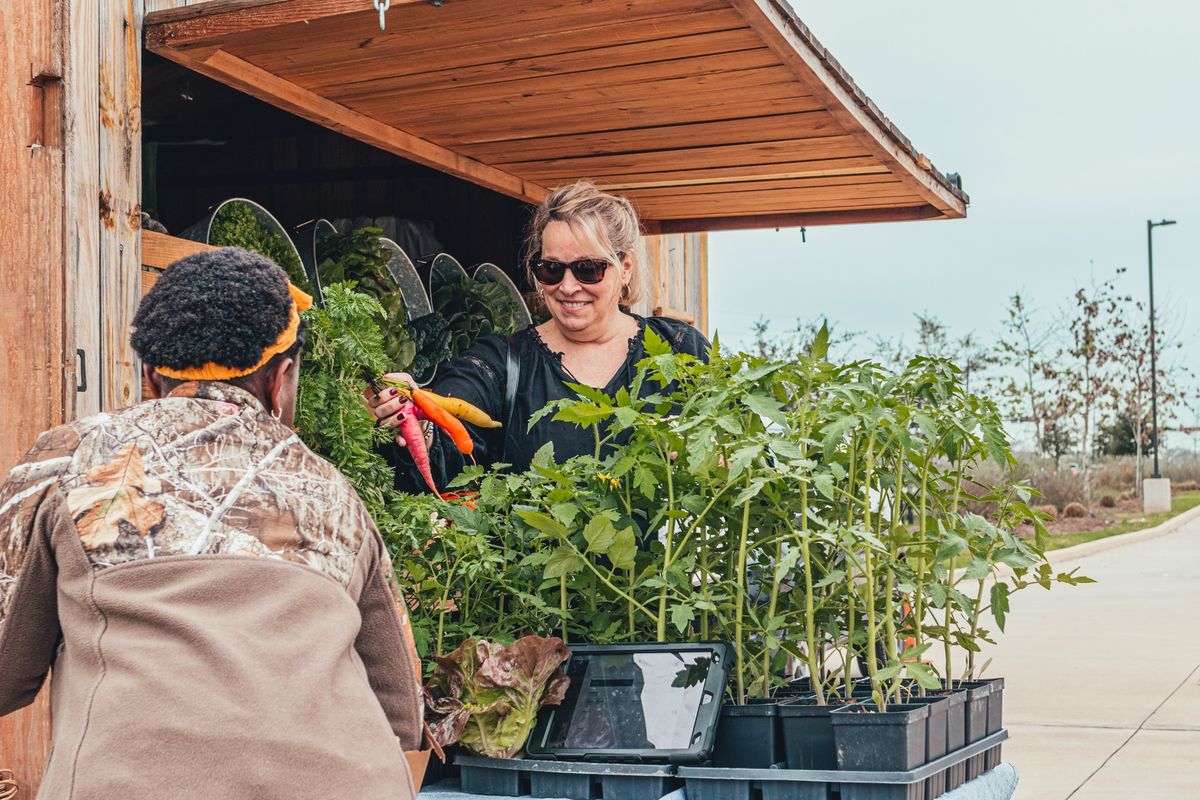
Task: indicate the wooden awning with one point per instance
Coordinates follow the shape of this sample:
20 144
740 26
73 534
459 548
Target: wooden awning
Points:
708 114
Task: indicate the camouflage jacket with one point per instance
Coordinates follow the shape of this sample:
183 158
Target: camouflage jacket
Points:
216 604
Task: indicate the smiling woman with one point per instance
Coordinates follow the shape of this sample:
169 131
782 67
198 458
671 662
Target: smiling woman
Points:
582 254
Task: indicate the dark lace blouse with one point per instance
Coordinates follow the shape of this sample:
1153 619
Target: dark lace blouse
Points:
480 375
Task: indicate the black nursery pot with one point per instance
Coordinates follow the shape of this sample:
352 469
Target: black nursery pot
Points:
995 715
808 734
748 737
978 695
935 739
893 740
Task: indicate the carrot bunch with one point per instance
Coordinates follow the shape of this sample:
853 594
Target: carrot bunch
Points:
448 413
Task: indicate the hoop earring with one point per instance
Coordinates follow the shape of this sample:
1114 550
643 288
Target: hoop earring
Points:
277 414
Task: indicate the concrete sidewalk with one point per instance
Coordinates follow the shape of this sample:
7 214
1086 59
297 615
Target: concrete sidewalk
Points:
1102 695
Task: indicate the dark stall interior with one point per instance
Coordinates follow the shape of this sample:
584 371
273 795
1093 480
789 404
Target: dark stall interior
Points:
205 142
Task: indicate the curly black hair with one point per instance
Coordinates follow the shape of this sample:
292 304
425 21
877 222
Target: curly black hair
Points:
222 306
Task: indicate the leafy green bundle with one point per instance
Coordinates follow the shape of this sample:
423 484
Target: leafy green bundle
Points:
360 257
342 339
474 309
432 338
236 225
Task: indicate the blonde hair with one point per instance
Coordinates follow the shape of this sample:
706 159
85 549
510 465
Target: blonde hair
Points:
604 220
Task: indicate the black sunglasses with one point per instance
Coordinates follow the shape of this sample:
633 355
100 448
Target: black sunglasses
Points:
586 270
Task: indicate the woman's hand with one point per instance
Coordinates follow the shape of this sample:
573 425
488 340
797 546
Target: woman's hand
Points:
390 401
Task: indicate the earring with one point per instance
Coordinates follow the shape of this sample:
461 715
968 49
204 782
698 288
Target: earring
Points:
277 414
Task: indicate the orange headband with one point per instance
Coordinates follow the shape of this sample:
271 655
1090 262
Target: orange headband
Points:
301 301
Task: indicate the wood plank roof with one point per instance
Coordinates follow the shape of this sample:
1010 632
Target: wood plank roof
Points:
708 114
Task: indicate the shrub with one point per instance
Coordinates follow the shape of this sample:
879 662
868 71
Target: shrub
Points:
1074 510
1185 486
1108 500
1058 488
1050 510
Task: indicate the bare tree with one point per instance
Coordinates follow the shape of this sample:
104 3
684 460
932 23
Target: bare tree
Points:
1132 384
1089 368
1026 388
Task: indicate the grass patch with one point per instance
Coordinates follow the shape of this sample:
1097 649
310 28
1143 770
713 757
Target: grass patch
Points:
1180 502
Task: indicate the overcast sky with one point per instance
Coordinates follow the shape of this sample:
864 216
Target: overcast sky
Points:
1071 124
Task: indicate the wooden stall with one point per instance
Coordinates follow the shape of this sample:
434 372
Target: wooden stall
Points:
708 114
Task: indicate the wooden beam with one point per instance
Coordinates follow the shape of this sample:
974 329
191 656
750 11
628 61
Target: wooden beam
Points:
650 159
120 217
742 187
159 250
82 188
695 134
585 54
246 77
783 33
215 19
704 319
849 217
862 165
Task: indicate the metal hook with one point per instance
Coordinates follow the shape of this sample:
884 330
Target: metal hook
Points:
382 6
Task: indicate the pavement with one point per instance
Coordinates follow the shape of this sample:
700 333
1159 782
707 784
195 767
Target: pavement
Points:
1102 694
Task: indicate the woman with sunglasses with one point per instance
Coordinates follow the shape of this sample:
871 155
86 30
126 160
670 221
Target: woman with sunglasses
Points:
581 254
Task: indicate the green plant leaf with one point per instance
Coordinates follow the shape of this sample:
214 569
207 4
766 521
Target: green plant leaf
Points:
923 675
766 407
543 522
682 615
600 534
999 599
645 481
623 550
819 348
583 414
565 512
823 481
562 562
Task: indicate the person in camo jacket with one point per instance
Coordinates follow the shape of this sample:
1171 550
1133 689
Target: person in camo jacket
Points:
217 606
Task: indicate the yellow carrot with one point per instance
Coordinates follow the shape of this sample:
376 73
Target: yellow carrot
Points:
456 406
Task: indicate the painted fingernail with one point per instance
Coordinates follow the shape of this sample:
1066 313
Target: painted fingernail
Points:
393 392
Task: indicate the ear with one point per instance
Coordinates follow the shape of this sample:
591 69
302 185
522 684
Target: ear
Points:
156 391
277 385
626 269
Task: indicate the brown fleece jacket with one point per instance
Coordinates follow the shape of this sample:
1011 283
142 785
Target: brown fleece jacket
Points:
217 606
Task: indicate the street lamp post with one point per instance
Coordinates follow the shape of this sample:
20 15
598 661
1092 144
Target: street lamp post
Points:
1150 226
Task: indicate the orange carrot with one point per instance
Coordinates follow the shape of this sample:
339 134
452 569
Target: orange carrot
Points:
414 437
456 406
444 420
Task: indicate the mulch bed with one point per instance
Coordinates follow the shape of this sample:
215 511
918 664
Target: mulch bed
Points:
1103 518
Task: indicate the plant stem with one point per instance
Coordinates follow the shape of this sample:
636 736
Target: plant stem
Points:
629 602
949 615
705 589
562 604
667 546
869 576
890 574
741 601
774 603
612 586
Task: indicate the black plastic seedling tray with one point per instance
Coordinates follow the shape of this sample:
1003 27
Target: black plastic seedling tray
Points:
714 783
574 780
586 780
